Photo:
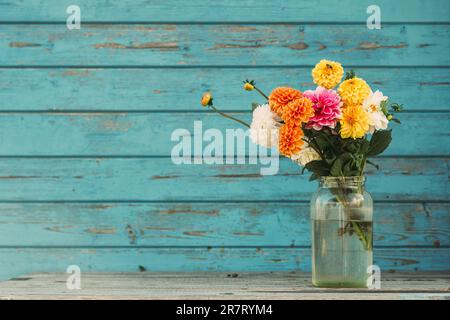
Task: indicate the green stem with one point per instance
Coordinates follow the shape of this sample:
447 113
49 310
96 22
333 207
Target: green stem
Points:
312 143
229 117
260 92
355 224
360 234
363 166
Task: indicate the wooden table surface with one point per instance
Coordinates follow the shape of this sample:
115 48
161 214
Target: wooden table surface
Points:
280 285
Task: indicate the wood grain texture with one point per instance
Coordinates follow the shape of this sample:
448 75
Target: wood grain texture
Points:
178 89
230 11
20 261
205 224
149 134
158 179
254 286
231 45
92 184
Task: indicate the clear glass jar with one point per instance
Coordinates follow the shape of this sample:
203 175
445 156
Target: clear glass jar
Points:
341 224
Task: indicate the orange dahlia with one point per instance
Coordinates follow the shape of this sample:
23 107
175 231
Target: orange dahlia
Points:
298 111
280 97
290 140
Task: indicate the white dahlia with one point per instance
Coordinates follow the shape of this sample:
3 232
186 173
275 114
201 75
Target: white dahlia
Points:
372 104
306 154
265 127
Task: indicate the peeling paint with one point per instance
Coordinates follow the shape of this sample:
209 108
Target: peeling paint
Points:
247 175
298 46
71 72
236 46
163 46
163 177
175 211
375 45
116 125
100 206
243 233
195 233
21 177
131 234
435 83
101 231
20 44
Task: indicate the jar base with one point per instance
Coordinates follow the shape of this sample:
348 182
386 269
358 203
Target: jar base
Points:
337 284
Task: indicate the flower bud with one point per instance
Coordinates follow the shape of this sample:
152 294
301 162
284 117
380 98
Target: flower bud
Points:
248 86
389 117
206 99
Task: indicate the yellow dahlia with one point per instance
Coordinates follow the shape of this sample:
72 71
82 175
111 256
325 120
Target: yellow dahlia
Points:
280 97
354 91
290 140
354 122
327 73
298 111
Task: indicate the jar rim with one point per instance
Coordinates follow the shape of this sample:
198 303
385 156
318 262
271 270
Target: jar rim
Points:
330 181
342 179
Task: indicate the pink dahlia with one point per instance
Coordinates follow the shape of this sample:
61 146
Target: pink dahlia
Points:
327 108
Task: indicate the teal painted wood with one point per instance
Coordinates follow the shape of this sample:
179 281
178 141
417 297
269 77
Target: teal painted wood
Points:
20 261
180 90
230 11
149 134
205 224
158 179
248 45
105 226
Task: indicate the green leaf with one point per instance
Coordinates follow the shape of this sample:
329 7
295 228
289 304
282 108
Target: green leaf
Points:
313 177
384 107
365 144
397 107
254 106
336 168
342 165
396 120
318 167
379 142
347 169
349 75
373 164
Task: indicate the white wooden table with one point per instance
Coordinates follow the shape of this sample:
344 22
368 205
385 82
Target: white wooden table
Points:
288 285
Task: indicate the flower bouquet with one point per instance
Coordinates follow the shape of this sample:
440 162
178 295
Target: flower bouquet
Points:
332 133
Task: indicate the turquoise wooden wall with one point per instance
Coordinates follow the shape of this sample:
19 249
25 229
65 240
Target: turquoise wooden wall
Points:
86 117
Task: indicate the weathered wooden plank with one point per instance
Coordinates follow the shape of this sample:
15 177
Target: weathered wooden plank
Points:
149 134
143 89
231 10
215 285
20 261
158 179
188 45
205 224
228 295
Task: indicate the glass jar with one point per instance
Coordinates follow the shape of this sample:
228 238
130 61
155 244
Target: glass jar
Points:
341 224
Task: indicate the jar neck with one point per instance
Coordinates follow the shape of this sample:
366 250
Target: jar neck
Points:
355 182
